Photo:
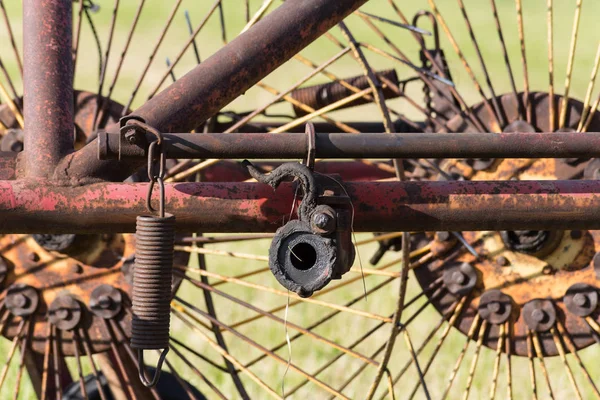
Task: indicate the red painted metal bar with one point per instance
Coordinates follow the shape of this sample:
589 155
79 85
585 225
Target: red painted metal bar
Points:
364 145
26 207
48 81
220 79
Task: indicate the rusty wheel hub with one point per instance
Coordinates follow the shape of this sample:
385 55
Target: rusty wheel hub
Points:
73 283
56 280
533 280
85 109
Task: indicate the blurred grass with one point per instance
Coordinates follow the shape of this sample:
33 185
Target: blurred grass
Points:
306 352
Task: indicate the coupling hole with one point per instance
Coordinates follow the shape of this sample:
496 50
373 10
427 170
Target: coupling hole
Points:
303 256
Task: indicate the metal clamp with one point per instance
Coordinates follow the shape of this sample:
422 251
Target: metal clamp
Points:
309 252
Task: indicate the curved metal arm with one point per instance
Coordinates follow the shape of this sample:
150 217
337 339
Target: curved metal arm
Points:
304 175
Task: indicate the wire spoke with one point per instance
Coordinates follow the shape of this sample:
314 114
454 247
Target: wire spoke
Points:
482 334
76 345
540 355
11 352
11 37
190 42
566 337
470 335
196 372
530 358
179 312
563 357
570 64
88 350
160 40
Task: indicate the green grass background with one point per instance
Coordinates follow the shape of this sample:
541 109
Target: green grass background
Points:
308 353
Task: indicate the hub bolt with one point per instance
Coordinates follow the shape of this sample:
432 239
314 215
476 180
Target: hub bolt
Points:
538 315
580 299
459 278
19 300
104 302
443 236
494 307
502 261
576 235
63 314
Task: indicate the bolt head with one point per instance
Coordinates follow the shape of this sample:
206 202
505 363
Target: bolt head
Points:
580 299
321 220
576 235
459 278
538 315
502 261
19 300
443 236
494 307
131 138
63 313
76 268
548 270
104 302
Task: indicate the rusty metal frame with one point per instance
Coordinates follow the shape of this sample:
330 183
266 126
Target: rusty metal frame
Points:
60 190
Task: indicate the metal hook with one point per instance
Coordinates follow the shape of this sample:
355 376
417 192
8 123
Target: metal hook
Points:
436 31
311 146
162 198
142 368
156 178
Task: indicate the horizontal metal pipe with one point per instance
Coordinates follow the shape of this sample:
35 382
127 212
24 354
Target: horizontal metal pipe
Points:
364 145
26 207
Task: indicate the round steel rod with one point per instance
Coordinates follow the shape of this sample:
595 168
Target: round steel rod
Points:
363 145
26 207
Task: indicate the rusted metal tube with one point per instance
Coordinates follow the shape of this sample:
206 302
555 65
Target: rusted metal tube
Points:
234 69
26 207
48 81
364 145
210 86
319 96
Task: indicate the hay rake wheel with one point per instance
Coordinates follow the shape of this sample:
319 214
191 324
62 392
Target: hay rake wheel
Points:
478 313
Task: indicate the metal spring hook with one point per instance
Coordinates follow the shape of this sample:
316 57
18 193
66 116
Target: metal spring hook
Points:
153 270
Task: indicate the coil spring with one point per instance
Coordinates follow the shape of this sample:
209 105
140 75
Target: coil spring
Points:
152 282
320 96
